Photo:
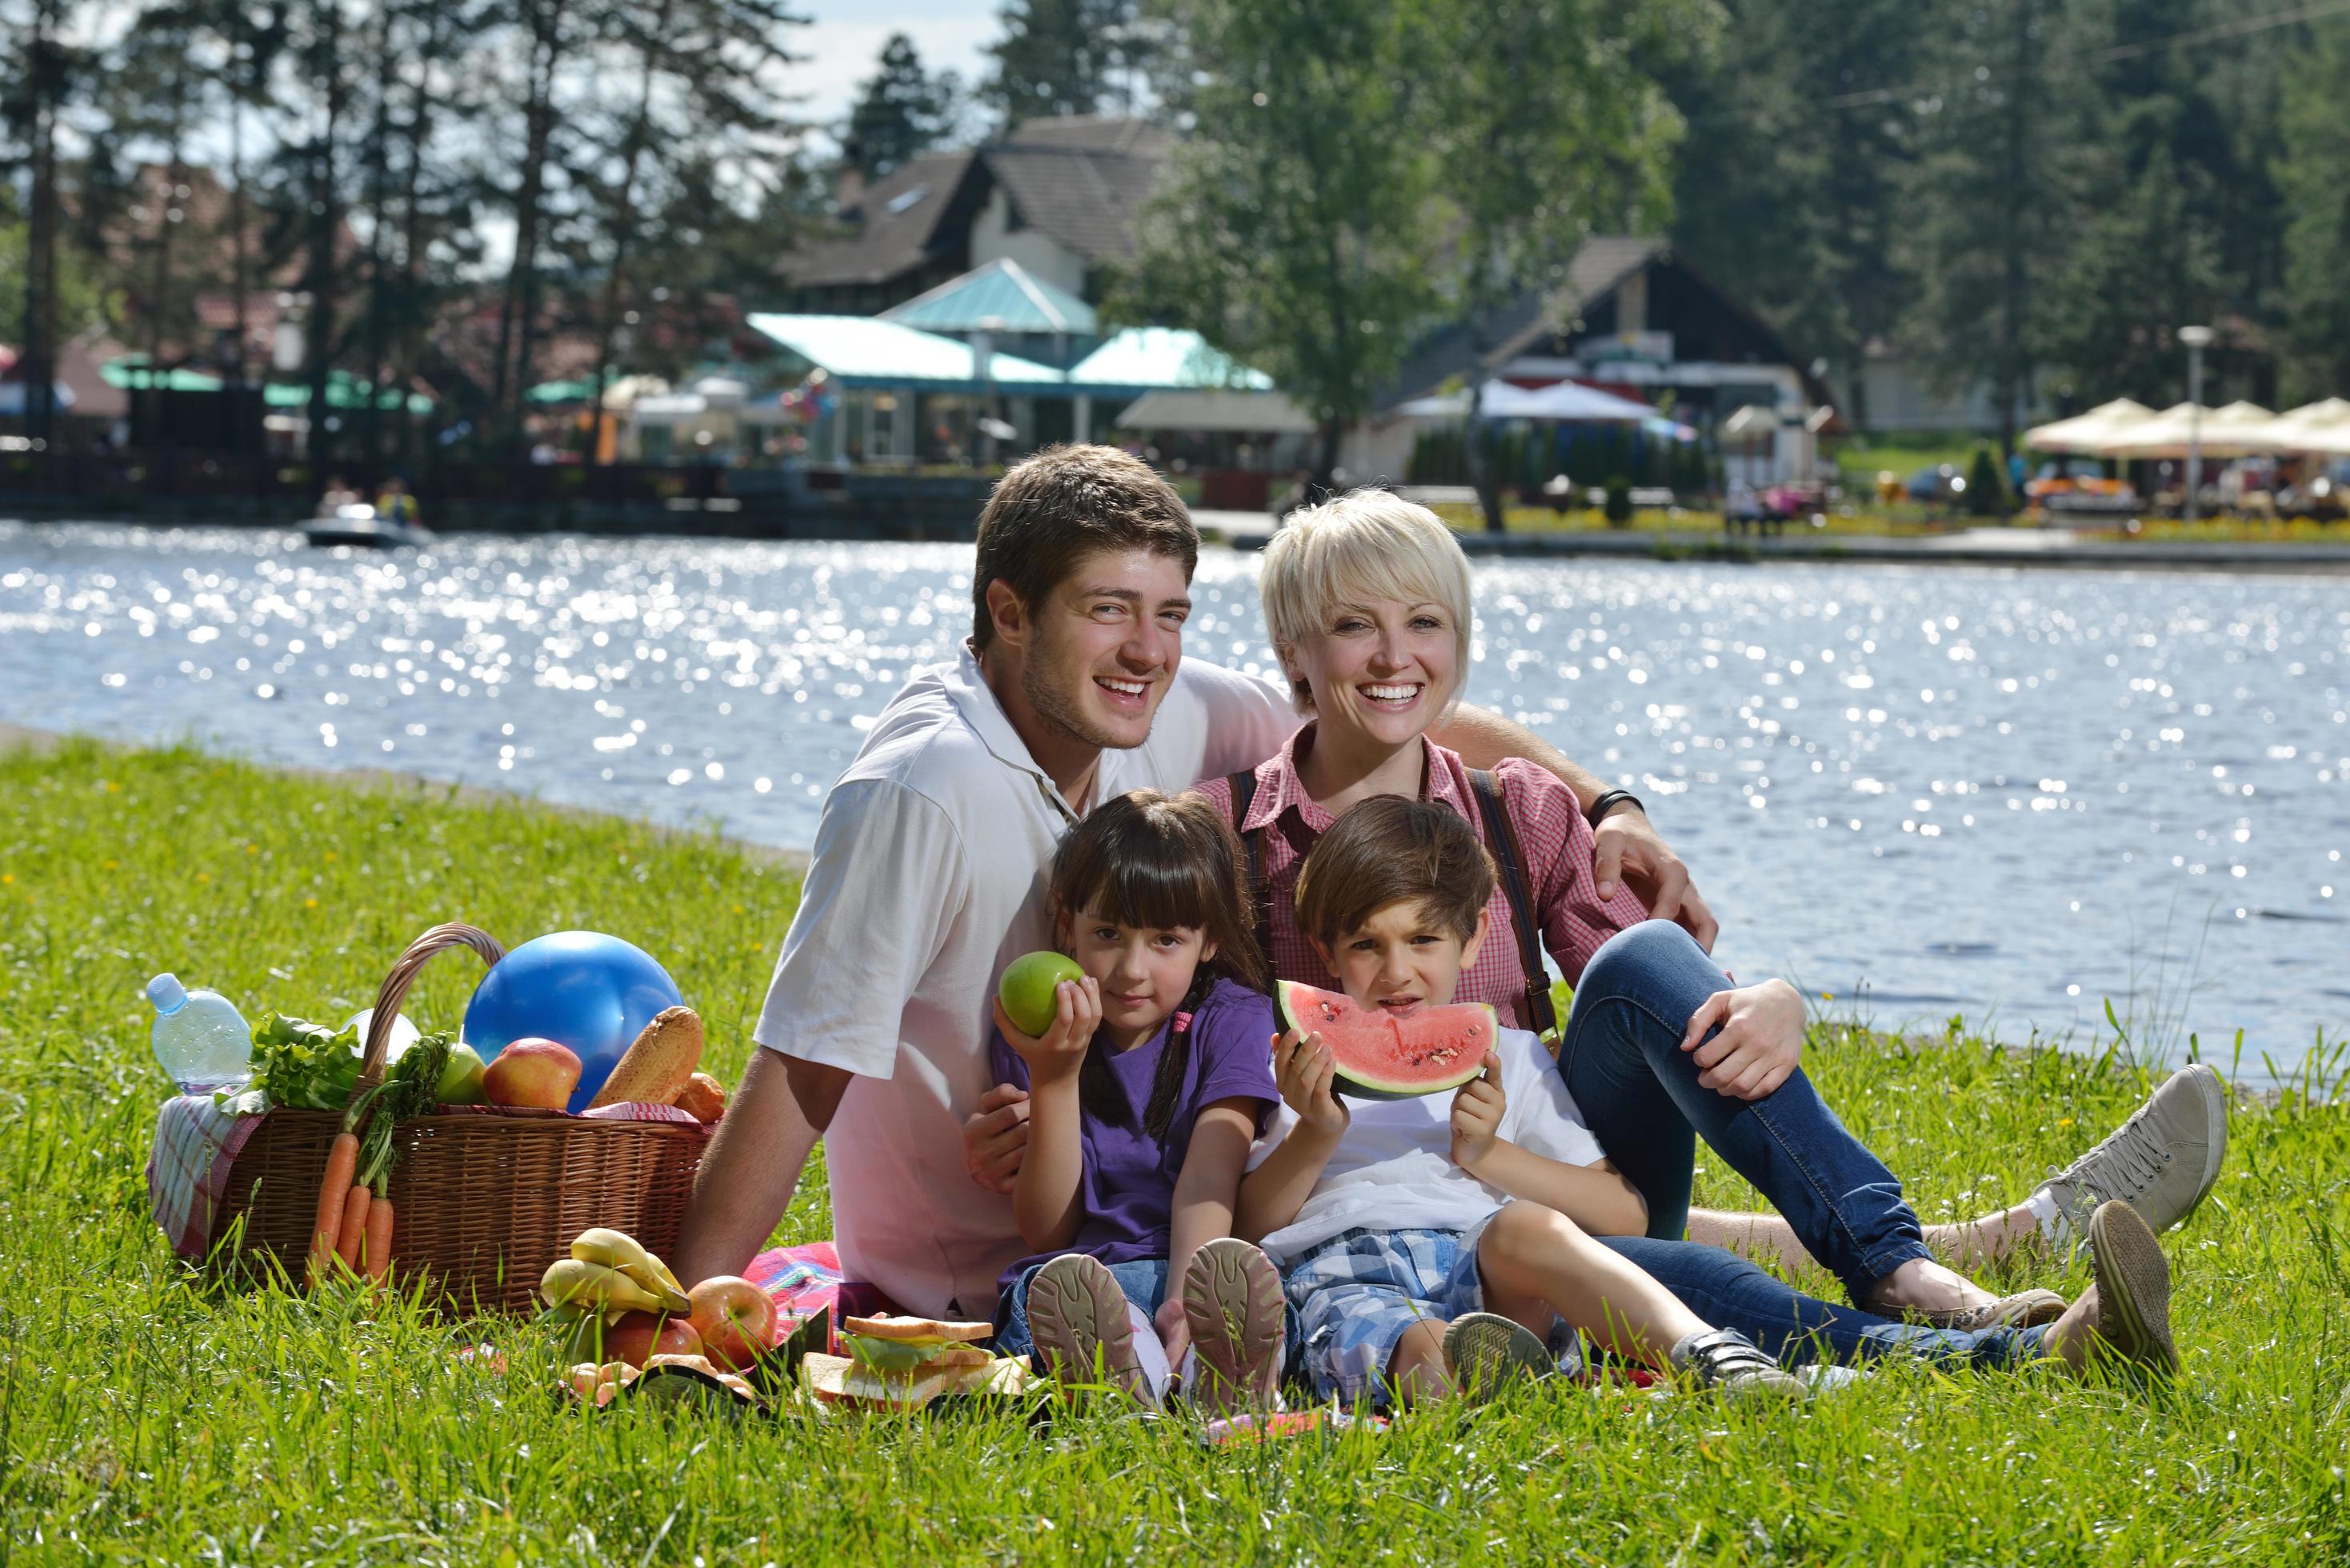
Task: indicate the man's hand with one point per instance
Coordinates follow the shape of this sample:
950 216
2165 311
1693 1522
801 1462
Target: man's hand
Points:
1625 848
1477 1110
995 1136
1061 1050
1761 1043
1305 1070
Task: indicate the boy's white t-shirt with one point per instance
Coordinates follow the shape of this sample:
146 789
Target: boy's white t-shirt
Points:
1393 1168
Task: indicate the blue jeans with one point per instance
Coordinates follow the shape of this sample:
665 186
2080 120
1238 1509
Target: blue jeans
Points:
1638 1089
1792 1328
1144 1281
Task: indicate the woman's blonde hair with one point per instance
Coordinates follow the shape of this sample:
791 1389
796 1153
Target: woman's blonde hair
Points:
1353 548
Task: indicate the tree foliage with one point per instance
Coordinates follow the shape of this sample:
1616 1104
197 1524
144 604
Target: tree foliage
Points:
902 112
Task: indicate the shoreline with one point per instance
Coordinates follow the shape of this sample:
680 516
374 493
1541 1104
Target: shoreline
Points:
16 737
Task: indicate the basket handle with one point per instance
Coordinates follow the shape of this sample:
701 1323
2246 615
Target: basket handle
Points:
394 990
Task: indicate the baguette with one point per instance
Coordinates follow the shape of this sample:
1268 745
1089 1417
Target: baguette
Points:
658 1065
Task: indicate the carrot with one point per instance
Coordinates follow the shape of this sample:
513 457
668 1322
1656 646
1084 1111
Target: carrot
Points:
333 1193
378 1239
354 1231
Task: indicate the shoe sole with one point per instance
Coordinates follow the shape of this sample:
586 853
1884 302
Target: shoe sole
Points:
1076 1317
1485 1352
2133 1286
1232 1304
2214 1090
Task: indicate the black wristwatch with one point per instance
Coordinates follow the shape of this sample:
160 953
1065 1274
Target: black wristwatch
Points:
1609 802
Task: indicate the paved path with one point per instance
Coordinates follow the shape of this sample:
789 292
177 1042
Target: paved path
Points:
1971 546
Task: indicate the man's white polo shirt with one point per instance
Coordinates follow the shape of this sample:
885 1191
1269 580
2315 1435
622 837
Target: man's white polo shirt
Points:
927 879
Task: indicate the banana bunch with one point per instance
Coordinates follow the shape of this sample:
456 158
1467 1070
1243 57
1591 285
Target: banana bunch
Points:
608 1274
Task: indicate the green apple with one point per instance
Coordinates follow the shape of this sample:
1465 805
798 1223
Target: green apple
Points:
1027 989
461 1080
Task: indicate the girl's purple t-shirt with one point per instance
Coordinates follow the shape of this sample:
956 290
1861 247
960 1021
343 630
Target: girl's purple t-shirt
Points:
1128 1182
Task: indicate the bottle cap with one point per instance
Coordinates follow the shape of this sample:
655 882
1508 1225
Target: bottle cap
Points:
166 992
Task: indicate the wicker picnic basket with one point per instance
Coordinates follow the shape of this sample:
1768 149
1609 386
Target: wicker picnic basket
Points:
486 1199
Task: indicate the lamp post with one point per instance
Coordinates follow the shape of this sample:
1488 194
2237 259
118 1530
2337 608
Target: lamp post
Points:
2197 339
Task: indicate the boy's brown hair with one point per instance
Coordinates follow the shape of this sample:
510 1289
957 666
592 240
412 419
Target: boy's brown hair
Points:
1390 850
1052 510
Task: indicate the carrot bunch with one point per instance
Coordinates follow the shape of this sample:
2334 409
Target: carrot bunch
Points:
354 1217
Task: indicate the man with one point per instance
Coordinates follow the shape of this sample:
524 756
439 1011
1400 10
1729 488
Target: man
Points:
929 870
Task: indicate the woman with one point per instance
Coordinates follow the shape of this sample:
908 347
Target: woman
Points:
1367 600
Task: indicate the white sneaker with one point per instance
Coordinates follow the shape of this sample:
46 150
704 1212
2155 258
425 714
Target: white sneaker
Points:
2160 1162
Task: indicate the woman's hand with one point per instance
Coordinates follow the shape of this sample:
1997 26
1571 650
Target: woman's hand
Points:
1761 1043
1307 1070
1477 1110
1174 1332
1077 1013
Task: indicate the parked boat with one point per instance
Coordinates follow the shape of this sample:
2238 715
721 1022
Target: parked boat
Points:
359 523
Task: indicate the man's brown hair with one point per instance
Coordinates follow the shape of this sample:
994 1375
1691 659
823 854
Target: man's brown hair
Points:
1051 510
1391 850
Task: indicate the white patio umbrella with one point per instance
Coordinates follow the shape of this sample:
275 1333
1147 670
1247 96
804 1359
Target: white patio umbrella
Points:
2321 427
1570 402
2238 429
2091 433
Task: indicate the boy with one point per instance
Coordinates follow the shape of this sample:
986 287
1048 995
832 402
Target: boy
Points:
1391 1218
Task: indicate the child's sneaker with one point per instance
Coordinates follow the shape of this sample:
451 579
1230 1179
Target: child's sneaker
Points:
1077 1315
1724 1359
1484 1353
1231 1302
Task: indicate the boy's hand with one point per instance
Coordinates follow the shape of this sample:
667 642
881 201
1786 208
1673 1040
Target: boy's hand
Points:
1477 1110
1077 1013
1306 1069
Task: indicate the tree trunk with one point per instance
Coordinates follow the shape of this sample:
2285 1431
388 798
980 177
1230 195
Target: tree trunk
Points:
1482 477
39 358
1325 462
412 241
623 223
511 378
324 225
379 178
240 267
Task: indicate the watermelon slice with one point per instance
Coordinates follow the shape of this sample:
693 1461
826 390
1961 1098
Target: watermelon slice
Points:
1383 1057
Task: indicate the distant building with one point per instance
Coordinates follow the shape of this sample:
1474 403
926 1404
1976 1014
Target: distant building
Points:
1632 318
1057 196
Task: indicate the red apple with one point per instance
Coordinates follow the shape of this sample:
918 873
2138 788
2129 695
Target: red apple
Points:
640 1335
735 1319
534 1073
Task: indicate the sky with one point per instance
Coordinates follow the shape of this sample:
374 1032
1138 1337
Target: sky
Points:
844 40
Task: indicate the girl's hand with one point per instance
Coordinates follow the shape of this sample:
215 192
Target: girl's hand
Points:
1174 1333
1477 1115
1306 1069
1760 1044
1077 1013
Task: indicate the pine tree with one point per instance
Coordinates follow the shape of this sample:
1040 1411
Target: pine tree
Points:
1069 56
2314 169
903 111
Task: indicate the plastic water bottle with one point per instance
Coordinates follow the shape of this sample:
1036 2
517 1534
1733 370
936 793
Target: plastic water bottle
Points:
200 1038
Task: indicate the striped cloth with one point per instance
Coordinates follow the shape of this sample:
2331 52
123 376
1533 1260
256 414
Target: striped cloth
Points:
1552 834
197 1142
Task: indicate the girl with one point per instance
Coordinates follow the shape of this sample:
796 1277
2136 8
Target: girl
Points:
1144 1097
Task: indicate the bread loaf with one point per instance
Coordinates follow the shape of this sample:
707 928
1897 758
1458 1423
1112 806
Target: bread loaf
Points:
659 1063
703 1098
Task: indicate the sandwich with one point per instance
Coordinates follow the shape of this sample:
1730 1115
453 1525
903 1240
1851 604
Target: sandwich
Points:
903 1363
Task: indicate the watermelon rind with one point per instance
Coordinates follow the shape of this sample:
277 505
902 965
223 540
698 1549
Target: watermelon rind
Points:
1302 1008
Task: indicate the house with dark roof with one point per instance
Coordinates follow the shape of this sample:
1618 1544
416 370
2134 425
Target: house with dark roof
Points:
1057 196
1627 316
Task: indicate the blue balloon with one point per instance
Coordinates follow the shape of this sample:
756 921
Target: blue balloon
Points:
583 989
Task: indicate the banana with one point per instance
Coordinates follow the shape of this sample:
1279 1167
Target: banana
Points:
618 1249
571 1281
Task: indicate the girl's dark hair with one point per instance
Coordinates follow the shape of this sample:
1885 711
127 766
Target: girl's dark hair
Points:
1155 861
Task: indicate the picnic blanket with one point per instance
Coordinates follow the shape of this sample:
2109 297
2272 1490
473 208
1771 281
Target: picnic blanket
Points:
805 1280
197 1142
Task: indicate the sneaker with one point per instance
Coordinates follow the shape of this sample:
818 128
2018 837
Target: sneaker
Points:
2125 1318
1231 1303
1726 1360
2160 1162
1077 1315
1484 1353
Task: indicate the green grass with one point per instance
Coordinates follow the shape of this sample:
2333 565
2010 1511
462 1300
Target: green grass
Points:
145 1420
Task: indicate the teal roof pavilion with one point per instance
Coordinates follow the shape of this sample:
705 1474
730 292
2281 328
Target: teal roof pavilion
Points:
1001 297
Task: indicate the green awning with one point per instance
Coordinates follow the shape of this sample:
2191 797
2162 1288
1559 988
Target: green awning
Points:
344 390
562 392
998 297
866 351
131 374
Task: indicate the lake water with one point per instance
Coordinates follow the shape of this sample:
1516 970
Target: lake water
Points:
1924 792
